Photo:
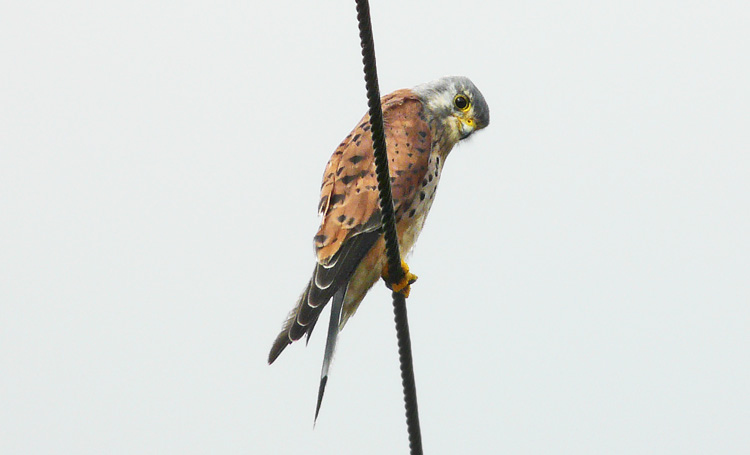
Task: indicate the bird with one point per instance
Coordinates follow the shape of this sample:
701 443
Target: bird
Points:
421 126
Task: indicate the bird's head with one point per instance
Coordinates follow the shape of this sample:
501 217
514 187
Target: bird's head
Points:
457 103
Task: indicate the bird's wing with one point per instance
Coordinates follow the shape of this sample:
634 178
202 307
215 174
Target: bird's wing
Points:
349 195
349 205
304 315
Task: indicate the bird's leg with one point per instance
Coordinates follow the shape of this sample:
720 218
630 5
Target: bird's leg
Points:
403 285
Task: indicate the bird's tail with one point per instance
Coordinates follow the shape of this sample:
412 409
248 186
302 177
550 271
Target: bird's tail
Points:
333 332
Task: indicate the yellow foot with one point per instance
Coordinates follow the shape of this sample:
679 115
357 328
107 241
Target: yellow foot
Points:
403 285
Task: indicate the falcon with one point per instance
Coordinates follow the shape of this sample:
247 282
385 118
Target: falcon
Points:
422 124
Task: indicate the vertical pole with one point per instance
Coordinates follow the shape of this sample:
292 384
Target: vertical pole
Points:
391 240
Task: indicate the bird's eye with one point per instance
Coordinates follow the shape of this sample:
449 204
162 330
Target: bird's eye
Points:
461 102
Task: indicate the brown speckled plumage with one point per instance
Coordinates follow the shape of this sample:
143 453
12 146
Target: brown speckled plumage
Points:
421 126
349 194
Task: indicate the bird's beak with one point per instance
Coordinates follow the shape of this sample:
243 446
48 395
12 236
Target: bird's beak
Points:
467 126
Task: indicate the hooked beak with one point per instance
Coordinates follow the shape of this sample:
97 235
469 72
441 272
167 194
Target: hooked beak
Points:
467 126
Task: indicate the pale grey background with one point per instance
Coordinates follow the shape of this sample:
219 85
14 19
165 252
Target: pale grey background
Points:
584 281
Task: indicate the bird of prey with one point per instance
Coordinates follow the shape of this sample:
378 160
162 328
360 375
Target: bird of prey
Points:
422 125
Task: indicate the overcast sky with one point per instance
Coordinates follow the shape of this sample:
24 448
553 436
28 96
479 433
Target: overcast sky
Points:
584 274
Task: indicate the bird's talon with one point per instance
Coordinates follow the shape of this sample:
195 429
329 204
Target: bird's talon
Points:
402 286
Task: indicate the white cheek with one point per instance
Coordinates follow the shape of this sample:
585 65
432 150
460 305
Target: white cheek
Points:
454 129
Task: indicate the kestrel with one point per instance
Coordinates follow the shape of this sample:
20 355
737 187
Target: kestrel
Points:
422 125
